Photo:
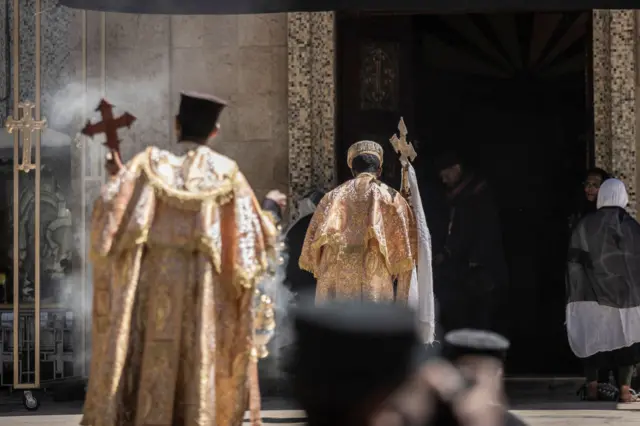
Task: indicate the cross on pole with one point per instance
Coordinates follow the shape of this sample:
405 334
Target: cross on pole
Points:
109 125
25 125
401 145
407 156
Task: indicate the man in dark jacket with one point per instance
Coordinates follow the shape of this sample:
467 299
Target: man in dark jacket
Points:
299 281
471 269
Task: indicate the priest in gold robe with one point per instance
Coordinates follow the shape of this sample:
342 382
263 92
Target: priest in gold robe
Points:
180 250
362 237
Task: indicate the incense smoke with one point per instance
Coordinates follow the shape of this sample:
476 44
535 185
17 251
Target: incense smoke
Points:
146 98
282 297
66 111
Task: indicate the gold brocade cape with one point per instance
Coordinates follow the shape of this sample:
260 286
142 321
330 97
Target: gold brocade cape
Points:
178 245
362 235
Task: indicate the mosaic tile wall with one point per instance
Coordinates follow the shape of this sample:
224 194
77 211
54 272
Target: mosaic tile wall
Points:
311 94
614 79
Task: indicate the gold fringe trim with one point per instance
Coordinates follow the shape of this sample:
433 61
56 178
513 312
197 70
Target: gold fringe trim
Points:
242 278
249 279
395 268
185 199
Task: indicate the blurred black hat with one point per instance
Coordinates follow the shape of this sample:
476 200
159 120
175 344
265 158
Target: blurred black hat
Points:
349 357
198 115
354 344
459 343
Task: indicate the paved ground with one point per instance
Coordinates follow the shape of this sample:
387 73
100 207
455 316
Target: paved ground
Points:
578 414
545 402
539 414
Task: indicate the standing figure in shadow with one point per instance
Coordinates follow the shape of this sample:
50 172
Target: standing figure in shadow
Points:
302 283
471 269
587 202
585 205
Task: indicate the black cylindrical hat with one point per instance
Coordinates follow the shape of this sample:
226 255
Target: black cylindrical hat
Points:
354 344
198 115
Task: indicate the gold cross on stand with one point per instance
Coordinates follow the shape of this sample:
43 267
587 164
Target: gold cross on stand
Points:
25 125
407 155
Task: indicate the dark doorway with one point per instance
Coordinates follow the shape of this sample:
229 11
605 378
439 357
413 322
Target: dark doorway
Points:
511 93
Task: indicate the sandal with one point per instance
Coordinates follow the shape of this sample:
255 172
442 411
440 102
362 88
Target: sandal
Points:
628 395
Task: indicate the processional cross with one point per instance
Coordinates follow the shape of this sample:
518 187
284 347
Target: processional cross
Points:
26 125
109 126
407 155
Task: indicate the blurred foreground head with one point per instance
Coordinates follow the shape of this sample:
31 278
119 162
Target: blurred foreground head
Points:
349 358
469 342
463 387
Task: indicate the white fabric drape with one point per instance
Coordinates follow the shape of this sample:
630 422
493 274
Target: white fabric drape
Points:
590 329
612 193
421 297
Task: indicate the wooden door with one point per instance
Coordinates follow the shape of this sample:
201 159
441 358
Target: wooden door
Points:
375 68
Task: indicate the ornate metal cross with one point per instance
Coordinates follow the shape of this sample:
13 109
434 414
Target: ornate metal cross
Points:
400 144
109 125
25 125
407 155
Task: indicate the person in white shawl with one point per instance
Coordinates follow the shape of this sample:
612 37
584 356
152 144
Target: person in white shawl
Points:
603 291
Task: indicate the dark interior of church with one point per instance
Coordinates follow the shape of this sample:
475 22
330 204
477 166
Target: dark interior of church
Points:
512 95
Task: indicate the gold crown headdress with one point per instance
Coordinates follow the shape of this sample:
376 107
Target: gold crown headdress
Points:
364 147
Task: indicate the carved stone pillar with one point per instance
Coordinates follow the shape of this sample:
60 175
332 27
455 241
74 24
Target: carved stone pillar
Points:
311 96
614 85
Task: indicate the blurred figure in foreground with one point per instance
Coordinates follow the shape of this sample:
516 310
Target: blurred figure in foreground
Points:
603 291
362 365
464 387
350 357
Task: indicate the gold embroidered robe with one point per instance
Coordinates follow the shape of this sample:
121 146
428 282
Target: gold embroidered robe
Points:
362 236
178 246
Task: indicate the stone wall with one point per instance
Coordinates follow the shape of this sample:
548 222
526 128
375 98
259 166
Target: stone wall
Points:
242 59
149 59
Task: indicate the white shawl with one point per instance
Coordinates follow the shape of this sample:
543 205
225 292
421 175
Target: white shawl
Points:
421 297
